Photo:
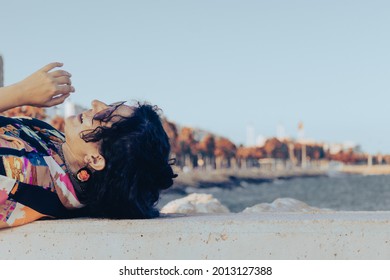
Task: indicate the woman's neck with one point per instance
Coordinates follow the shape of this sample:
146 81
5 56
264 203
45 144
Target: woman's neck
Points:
72 162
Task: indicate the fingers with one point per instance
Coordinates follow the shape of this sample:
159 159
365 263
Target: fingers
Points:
63 80
57 100
59 73
64 89
52 65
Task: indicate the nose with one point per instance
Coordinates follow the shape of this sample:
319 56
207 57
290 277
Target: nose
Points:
98 105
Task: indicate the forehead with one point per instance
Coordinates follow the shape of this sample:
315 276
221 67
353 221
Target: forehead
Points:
124 110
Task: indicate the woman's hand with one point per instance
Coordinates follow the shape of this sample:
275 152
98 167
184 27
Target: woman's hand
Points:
44 88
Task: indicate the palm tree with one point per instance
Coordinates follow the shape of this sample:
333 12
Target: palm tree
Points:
276 149
206 148
225 151
187 151
249 156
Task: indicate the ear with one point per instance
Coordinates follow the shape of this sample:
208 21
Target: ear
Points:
96 161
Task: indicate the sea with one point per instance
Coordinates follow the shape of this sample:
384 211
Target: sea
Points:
337 192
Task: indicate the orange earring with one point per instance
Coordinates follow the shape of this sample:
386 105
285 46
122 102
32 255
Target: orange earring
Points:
83 175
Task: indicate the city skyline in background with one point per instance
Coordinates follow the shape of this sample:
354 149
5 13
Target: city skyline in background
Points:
222 66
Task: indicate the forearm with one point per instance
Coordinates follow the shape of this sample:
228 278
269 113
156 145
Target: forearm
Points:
40 89
10 97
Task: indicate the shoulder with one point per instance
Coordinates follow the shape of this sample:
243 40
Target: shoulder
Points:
43 129
4 121
35 123
36 133
24 121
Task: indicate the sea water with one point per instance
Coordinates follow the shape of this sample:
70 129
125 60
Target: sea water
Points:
338 192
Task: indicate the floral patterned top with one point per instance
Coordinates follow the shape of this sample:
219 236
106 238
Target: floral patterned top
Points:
33 181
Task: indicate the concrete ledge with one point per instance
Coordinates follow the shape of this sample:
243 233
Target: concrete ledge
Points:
336 235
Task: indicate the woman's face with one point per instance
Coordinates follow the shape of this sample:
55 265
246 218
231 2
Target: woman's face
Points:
85 121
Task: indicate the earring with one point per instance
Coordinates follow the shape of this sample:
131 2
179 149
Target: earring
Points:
83 175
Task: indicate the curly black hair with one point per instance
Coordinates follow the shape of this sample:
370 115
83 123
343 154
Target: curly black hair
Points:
136 150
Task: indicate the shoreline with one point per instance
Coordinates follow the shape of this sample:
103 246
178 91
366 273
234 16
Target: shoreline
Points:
366 169
230 178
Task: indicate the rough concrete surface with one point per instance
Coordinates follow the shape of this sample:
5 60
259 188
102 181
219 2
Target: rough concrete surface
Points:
335 235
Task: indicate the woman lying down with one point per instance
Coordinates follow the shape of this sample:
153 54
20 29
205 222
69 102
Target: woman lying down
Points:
112 161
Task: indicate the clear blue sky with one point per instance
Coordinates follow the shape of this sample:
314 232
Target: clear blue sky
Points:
219 65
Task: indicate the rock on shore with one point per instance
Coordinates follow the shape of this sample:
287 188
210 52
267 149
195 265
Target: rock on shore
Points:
195 203
283 205
206 203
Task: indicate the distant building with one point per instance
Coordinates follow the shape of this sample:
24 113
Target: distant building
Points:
250 135
70 108
260 141
335 148
301 131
